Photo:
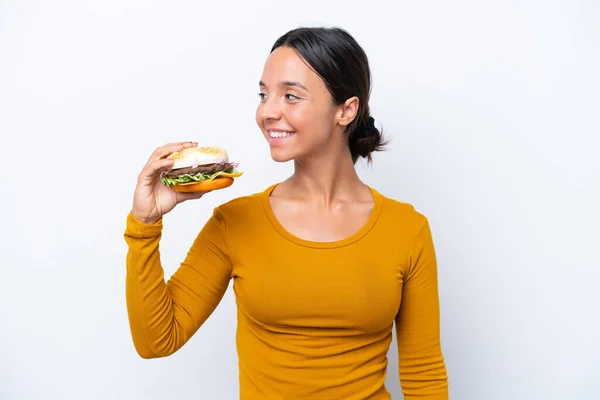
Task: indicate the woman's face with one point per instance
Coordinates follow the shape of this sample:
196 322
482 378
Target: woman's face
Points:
296 112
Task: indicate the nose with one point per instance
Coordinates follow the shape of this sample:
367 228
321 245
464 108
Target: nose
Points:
270 109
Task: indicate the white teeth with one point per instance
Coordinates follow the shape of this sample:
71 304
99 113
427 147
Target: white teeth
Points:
276 134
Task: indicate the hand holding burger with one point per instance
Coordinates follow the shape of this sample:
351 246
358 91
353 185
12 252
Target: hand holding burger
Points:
178 172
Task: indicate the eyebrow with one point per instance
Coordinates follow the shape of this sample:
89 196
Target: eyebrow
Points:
287 83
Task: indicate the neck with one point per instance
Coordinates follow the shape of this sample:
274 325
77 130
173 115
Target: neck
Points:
326 178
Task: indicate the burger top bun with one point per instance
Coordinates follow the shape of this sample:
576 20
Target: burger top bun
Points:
194 156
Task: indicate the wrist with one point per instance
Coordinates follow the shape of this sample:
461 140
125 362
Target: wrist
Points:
144 220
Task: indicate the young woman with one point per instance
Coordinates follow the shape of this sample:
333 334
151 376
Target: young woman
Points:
323 265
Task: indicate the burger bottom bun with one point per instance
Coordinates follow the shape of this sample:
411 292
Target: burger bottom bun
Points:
204 186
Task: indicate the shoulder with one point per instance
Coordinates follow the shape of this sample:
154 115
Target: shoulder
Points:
401 214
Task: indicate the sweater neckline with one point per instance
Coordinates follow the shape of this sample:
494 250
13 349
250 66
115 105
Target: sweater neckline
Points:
375 213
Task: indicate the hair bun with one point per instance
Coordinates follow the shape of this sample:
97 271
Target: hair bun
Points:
366 129
365 139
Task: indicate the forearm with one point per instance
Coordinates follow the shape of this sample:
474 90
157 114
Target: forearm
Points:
422 366
426 379
149 302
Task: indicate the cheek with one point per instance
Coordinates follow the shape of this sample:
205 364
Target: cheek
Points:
309 119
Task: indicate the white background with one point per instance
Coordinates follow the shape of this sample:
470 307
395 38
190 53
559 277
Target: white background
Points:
493 108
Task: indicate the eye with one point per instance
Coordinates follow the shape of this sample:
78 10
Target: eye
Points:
290 96
262 96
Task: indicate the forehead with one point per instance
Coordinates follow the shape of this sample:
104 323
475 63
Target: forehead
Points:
285 64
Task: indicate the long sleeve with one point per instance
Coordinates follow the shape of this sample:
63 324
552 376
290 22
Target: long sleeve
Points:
163 315
421 363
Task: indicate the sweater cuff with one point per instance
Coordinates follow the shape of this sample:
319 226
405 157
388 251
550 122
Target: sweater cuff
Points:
137 229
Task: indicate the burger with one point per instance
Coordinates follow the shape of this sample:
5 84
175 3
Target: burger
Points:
200 169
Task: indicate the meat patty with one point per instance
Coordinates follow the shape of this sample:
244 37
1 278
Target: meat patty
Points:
207 169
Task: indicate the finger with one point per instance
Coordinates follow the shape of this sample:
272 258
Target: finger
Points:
169 148
181 197
154 168
174 143
177 144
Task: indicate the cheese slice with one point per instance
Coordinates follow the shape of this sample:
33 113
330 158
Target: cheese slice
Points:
225 174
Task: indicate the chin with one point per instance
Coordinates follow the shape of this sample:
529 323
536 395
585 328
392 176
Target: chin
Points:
280 155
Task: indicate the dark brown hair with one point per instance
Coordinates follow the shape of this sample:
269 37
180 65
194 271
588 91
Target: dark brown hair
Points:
343 65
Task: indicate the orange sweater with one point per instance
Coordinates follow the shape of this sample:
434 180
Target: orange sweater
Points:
314 319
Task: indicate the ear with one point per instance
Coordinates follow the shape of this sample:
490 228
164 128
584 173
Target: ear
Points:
348 111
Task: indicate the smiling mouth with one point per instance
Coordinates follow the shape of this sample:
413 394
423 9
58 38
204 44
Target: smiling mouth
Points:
280 134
